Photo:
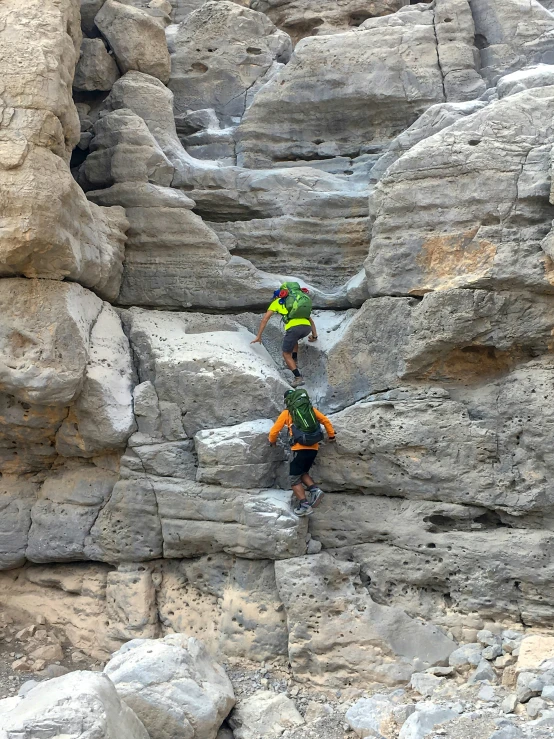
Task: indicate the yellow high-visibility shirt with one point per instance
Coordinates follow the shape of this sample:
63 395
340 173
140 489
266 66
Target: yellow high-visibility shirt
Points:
277 307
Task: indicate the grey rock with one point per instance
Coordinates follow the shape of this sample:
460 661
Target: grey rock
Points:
239 456
509 703
492 652
527 686
487 638
507 732
172 684
137 40
146 516
304 585
123 150
483 673
76 497
425 718
476 245
301 18
182 362
264 714
169 459
426 684
540 76
548 692
505 46
89 9
96 70
215 69
488 693
370 716
78 704
534 706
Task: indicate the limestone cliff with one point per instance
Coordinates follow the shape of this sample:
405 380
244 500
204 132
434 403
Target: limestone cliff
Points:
163 167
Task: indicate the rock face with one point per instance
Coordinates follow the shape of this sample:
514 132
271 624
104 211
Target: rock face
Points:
160 178
173 686
300 19
221 51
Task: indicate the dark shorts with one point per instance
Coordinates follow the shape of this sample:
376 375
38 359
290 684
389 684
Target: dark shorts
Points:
300 464
293 336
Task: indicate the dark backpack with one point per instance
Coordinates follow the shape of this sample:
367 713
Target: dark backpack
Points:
297 302
306 429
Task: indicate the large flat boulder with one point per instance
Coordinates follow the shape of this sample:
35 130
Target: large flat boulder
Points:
173 686
80 704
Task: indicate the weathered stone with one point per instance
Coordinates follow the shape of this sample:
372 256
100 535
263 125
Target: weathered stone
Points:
239 456
16 500
221 50
264 714
68 505
448 241
182 363
534 650
511 36
378 107
123 150
528 685
173 686
131 603
371 716
102 417
426 684
137 40
96 70
424 719
80 705
89 9
300 18
146 516
540 76
392 642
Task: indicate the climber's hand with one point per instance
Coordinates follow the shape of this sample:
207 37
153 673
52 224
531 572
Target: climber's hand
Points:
332 438
257 340
312 338
272 443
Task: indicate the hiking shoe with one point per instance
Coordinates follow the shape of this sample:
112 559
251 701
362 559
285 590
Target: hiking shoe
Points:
297 381
315 496
303 509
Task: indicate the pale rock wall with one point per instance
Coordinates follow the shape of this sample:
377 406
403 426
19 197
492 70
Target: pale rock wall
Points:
139 496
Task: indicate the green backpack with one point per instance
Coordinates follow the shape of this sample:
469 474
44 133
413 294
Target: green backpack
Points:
297 303
306 429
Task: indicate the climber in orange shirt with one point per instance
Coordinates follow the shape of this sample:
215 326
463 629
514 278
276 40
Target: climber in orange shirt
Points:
298 408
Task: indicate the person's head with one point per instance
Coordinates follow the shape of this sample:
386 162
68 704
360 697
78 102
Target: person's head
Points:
286 395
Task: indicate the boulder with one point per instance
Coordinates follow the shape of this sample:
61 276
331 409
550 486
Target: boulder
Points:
533 650
80 705
239 456
221 50
89 9
46 330
16 500
123 150
300 18
96 70
173 686
49 229
338 635
371 717
137 40
452 239
424 719
264 714
183 8
525 79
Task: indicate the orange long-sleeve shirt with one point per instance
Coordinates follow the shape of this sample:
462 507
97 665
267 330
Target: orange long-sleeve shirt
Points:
285 419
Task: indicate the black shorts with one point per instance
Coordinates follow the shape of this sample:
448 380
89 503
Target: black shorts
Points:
301 464
293 336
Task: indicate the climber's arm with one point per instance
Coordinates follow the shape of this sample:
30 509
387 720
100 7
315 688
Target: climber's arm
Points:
263 324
